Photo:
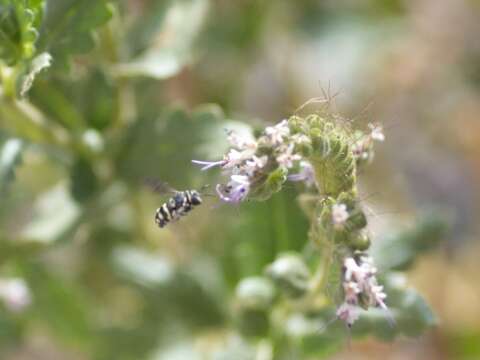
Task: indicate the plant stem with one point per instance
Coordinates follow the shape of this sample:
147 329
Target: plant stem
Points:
319 280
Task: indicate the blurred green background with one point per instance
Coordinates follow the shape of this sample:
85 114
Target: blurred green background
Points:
139 88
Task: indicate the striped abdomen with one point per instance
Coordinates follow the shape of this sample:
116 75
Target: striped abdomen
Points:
178 205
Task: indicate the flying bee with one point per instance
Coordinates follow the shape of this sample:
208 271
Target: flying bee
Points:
181 203
178 205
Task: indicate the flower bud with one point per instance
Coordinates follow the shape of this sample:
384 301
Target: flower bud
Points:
296 124
254 296
290 274
255 293
359 241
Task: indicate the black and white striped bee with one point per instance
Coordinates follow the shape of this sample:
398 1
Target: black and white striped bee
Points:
181 203
178 205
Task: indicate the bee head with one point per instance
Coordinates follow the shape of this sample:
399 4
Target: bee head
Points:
196 199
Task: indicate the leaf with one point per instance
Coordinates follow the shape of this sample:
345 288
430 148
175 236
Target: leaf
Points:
11 330
10 157
310 335
172 45
143 268
54 214
59 304
67 27
248 243
411 314
84 182
169 142
399 251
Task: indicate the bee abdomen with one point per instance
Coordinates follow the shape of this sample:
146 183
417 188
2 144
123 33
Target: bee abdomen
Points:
163 215
178 205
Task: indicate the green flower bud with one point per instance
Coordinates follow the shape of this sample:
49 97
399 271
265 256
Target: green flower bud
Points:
255 293
290 274
254 297
359 241
296 124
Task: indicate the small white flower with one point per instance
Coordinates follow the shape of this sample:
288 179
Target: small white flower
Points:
300 139
233 158
256 163
351 290
287 157
359 279
15 293
339 215
277 133
376 132
348 313
287 160
241 142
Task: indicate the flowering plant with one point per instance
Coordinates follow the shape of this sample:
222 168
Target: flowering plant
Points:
285 268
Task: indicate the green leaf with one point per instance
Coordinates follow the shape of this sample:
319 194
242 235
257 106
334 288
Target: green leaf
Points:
68 25
399 251
290 274
10 157
310 335
59 304
169 142
143 268
84 182
411 314
11 330
54 214
172 44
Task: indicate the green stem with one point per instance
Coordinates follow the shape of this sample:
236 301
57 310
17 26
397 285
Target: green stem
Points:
8 77
320 278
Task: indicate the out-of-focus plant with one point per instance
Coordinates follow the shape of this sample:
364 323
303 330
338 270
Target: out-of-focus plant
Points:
82 125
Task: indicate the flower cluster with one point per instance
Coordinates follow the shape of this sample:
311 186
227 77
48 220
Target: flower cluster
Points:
250 162
360 288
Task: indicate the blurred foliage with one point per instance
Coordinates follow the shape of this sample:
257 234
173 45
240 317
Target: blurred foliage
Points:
129 94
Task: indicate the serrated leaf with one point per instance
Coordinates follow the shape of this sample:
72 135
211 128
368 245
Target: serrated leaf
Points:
10 156
172 45
68 25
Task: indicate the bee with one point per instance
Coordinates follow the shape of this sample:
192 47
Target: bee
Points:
180 204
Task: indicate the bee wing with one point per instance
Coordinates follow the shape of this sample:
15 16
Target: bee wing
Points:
159 186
